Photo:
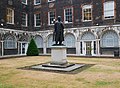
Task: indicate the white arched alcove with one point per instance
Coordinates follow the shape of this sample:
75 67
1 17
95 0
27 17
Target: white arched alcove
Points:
110 39
39 41
69 40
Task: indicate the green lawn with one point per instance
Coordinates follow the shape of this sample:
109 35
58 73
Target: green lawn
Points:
98 73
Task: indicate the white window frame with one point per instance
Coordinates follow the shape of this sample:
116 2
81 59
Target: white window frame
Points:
36 19
85 7
10 43
66 22
10 16
35 2
50 18
25 2
26 19
112 3
51 0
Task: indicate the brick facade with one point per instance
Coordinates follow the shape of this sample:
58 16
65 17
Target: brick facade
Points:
98 26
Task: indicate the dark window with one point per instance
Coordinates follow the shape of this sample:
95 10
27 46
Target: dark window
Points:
94 47
81 47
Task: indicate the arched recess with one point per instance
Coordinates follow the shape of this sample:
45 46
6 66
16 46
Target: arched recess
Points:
39 43
24 38
109 42
109 39
70 42
88 44
88 36
10 42
10 45
49 42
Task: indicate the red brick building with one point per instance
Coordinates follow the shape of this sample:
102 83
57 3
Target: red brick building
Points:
92 27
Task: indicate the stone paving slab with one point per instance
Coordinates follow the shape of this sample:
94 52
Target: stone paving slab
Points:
67 69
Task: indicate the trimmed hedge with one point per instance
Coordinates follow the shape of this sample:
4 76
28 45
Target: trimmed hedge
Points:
32 49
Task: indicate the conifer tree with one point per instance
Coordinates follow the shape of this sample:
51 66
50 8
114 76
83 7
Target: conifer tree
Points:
32 49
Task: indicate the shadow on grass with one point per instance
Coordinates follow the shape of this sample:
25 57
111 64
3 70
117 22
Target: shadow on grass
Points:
75 71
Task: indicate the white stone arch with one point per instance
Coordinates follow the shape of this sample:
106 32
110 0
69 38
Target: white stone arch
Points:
87 36
50 40
24 38
10 42
69 40
109 39
39 41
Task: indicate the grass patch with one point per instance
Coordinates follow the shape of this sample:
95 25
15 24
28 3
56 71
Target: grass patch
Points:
6 86
7 75
102 83
97 73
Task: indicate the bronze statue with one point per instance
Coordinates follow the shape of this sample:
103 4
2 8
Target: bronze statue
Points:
58 34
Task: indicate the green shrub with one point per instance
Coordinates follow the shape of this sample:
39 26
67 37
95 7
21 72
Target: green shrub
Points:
32 49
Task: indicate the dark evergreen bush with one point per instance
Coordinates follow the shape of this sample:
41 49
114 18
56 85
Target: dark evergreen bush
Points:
32 49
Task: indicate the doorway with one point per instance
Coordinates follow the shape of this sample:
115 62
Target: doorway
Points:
23 48
88 48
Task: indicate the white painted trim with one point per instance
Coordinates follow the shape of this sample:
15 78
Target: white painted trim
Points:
86 7
13 18
66 22
51 0
35 21
25 2
26 20
37 3
112 2
49 17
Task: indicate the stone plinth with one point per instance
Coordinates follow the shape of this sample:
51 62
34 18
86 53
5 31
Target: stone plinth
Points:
58 55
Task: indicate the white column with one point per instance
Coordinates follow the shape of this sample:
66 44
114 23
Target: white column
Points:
18 48
26 47
77 48
44 47
98 47
2 48
84 48
92 46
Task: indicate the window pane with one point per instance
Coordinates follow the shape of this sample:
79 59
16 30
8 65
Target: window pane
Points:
10 15
51 17
109 9
37 1
10 43
68 15
109 13
87 12
37 20
24 19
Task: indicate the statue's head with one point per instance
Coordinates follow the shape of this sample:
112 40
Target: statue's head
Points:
59 18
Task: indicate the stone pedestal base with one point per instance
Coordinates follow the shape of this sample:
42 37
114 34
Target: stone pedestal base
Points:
58 55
